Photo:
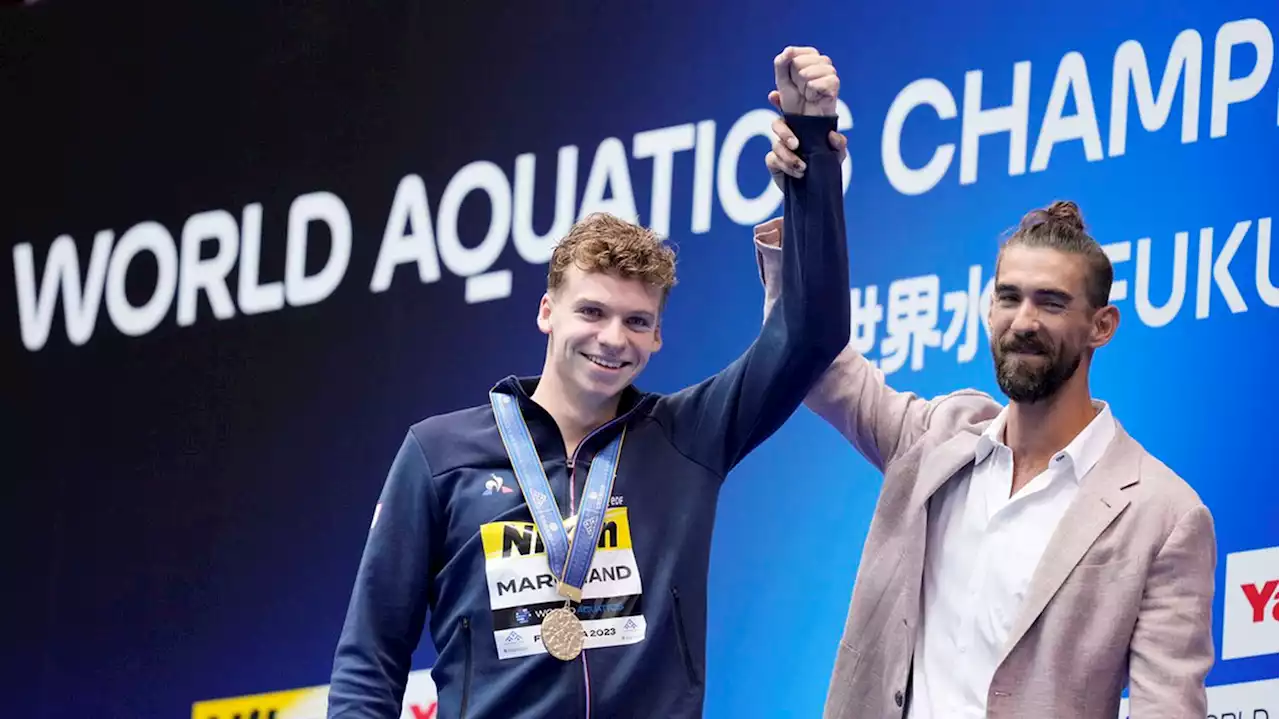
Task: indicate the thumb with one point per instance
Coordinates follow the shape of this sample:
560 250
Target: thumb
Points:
775 99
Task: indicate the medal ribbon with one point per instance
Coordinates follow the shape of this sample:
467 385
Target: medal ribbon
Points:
569 563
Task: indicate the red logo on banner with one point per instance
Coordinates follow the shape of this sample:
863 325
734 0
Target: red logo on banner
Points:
1260 596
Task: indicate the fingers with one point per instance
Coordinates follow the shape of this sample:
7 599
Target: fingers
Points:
814 76
814 71
775 99
782 133
825 86
784 160
839 143
780 160
801 62
782 66
779 167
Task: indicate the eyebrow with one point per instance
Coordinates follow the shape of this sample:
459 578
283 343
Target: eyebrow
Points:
589 302
1061 295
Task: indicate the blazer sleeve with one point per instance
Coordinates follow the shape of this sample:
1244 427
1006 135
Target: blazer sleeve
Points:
1172 649
854 398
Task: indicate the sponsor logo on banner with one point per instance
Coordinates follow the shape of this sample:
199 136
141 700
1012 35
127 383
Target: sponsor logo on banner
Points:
1251 611
522 589
1247 700
312 703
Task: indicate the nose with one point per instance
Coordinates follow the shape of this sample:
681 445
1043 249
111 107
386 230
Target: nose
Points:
612 335
1027 318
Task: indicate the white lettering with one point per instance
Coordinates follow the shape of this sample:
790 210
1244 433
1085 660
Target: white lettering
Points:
978 122
407 237
143 237
211 274
470 263
61 270
740 209
299 288
1160 316
907 180
1073 77
253 297
1118 252
1221 270
1153 110
1228 91
609 170
704 163
662 145
532 247
1267 290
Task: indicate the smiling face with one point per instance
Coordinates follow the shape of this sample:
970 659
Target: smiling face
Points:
1049 310
1041 322
601 331
606 287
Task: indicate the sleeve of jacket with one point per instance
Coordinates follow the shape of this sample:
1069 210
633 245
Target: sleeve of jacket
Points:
389 601
720 420
852 395
1171 651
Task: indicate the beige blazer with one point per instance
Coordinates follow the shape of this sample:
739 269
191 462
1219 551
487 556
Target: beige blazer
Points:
1123 593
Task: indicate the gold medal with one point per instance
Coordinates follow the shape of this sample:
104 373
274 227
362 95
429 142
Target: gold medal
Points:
562 634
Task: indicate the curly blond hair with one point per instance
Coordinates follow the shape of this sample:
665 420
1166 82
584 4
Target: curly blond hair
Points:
601 242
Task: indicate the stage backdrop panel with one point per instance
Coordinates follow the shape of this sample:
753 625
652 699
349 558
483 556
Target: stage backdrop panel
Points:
249 245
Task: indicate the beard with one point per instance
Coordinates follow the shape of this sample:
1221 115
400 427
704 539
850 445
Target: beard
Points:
1026 380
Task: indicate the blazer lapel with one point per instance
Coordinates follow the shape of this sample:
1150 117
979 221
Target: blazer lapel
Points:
1100 501
946 460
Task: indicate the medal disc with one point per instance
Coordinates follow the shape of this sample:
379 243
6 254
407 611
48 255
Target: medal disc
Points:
562 634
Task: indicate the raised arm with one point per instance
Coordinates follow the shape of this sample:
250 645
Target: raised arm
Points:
389 601
718 421
852 394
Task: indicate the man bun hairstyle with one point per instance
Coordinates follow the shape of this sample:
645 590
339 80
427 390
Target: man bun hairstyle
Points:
601 242
1060 226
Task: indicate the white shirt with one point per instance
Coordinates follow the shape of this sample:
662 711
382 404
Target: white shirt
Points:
982 548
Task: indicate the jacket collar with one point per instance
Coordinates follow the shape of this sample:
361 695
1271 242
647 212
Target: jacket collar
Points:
542 426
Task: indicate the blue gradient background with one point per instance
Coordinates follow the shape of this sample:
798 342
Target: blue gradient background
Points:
204 492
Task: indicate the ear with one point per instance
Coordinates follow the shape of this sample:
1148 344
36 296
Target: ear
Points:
544 314
1105 323
657 338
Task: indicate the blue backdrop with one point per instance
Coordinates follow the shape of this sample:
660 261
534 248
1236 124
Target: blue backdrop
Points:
192 487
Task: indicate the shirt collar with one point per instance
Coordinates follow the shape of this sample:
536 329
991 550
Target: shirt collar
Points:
1083 452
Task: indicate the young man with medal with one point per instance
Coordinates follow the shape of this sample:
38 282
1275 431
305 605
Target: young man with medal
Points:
558 536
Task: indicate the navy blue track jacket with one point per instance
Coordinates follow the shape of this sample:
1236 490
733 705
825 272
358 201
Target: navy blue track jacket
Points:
453 538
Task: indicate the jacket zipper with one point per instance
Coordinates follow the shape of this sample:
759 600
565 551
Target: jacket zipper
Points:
573 467
466 667
682 639
573 461
586 678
